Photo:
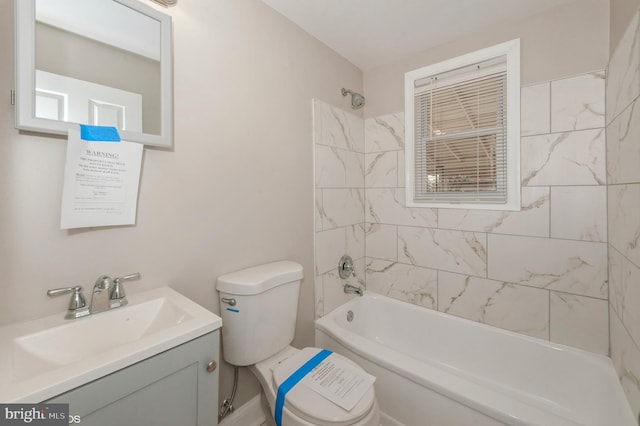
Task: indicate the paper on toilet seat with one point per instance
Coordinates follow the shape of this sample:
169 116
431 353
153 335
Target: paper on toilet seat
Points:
339 382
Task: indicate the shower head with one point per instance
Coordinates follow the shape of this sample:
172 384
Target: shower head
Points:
357 100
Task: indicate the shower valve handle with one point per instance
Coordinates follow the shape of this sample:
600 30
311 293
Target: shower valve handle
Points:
345 267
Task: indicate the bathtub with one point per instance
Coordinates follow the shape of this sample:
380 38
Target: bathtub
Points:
435 369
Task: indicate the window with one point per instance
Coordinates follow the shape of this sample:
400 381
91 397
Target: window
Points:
463 131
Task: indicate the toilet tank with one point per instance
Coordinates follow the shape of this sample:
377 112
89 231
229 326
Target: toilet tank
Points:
262 320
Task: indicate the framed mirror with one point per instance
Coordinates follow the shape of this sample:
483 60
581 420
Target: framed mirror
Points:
100 62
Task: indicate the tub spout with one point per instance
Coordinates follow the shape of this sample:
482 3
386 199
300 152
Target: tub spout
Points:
351 289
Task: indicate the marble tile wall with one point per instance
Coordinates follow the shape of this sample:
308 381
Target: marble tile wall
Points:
541 271
623 187
339 162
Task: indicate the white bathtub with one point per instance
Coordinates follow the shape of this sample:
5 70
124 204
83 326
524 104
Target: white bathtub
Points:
437 369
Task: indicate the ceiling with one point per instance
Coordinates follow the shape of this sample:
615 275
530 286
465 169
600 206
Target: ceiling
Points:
370 33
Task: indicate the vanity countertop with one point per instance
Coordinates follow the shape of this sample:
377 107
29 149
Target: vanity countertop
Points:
45 357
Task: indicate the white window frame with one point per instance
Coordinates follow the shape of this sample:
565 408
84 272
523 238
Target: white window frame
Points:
511 50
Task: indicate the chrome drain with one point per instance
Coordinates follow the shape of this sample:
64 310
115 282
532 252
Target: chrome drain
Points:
350 316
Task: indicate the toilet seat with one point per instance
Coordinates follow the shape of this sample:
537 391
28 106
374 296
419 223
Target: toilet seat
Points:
311 406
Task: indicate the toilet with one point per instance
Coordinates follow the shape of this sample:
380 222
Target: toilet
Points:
258 306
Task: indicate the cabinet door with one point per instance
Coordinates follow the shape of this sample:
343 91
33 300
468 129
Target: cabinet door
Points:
173 388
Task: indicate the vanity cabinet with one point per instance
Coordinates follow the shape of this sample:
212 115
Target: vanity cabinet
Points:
172 388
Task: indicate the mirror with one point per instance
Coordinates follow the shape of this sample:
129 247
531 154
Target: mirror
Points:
100 62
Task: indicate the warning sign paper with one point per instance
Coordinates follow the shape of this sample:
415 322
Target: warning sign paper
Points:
339 382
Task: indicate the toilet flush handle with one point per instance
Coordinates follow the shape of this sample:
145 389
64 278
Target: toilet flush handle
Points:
229 301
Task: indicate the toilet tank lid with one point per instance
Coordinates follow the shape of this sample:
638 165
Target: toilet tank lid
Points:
258 279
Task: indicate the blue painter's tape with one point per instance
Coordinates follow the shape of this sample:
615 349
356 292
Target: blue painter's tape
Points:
233 310
99 133
293 380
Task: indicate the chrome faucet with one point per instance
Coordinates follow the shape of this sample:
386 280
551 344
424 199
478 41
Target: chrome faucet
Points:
351 289
107 294
100 300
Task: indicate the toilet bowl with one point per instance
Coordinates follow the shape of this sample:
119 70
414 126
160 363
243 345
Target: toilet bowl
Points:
258 307
303 406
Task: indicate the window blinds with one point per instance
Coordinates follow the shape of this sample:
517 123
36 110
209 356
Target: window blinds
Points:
461 135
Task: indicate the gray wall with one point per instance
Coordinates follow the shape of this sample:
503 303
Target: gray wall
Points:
234 192
620 13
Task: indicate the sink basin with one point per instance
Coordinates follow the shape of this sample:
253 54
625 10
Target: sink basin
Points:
79 339
45 357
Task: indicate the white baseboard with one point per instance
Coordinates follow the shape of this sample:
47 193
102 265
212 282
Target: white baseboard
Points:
248 414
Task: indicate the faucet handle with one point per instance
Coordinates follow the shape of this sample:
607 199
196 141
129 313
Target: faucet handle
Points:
77 298
345 267
77 304
63 290
117 291
129 277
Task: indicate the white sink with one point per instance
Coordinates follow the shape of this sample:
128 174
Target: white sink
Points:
43 358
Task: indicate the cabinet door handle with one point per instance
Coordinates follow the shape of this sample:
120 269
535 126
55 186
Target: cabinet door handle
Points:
211 366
